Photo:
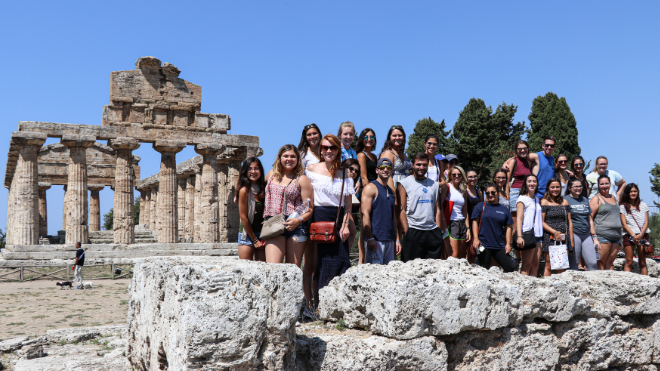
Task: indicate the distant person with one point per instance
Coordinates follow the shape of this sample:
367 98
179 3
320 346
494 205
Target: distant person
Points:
251 193
420 213
635 221
577 165
557 223
346 134
452 161
379 219
606 214
491 229
309 148
394 149
77 266
615 179
583 227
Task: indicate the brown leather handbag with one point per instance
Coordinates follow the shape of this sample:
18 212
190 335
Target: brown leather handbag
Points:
327 232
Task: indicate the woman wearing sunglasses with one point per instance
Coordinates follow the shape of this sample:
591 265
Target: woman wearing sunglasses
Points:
436 168
367 160
583 227
309 145
561 172
530 212
557 224
327 261
352 167
606 214
521 166
393 149
491 231
577 165
500 180
459 223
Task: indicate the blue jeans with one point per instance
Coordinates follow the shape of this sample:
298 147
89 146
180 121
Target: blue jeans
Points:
301 232
244 238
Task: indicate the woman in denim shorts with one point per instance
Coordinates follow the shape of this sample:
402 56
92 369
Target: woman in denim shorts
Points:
287 183
251 193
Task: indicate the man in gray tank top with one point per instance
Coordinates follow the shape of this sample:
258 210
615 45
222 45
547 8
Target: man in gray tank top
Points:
420 213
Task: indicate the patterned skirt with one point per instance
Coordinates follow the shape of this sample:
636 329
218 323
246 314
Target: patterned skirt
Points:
333 258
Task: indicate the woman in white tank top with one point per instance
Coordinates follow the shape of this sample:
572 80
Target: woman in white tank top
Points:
309 145
458 223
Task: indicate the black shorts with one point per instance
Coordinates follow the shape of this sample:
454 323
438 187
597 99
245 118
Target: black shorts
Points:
421 244
458 230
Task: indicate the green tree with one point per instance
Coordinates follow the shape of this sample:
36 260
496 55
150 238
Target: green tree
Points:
423 128
654 226
551 115
483 139
108 220
3 239
655 181
136 211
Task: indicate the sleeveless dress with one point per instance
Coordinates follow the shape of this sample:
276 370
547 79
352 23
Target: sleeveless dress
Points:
556 218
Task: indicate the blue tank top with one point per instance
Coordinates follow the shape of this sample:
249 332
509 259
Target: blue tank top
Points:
546 172
382 210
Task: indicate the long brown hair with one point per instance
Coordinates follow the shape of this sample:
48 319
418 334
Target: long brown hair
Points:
388 142
547 196
277 166
336 163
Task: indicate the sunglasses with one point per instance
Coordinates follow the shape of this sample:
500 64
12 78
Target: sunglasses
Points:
491 193
453 162
579 164
328 148
524 149
549 145
310 126
369 137
385 167
456 176
398 127
352 169
562 162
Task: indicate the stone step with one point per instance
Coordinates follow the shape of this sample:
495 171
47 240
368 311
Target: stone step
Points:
119 247
115 254
111 240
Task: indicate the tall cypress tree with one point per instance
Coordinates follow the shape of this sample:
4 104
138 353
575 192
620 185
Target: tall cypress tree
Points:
551 115
655 182
423 128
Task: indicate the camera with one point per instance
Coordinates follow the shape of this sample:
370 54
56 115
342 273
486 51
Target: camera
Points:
643 242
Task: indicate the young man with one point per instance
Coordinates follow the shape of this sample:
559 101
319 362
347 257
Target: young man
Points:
545 164
379 217
420 214
77 265
615 179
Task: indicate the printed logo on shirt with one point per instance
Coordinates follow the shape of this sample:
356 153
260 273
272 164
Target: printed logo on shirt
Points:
423 201
500 212
425 190
579 208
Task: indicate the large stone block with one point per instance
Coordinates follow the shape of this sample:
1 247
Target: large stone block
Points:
421 298
213 314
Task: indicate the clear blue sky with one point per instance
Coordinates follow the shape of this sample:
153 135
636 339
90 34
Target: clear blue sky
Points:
275 66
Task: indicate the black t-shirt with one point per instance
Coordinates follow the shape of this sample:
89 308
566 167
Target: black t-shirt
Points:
80 254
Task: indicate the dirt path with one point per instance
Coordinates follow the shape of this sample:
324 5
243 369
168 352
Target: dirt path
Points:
32 308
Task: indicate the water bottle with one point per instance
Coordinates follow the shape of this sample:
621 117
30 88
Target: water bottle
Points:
304 206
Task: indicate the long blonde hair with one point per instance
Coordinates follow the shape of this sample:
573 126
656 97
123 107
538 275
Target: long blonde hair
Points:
463 186
336 163
277 166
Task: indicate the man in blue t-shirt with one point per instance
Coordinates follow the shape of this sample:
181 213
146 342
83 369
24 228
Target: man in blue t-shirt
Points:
545 164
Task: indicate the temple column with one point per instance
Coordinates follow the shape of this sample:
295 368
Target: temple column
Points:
208 231
64 187
198 196
124 221
11 206
168 230
146 219
190 207
152 206
95 207
76 198
223 187
43 209
181 204
25 220
143 200
232 212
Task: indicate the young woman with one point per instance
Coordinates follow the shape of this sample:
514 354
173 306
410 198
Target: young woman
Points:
287 183
393 149
352 167
326 178
520 168
436 169
459 223
251 193
607 218
528 208
577 165
346 134
309 145
557 224
635 221
365 146
472 194
491 227
583 227
561 173
500 180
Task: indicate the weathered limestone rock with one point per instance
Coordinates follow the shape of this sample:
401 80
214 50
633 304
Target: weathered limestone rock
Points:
25 219
76 198
322 349
168 231
213 313
94 207
123 222
652 267
209 207
422 297
43 209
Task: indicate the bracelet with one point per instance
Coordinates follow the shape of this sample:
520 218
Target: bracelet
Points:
370 239
346 222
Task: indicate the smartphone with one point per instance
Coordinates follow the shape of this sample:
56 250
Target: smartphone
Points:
562 236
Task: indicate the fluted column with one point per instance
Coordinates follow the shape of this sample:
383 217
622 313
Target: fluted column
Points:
198 197
11 206
64 188
124 221
208 231
95 207
43 209
190 207
232 212
152 207
145 214
143 200
181 205
168 230
25 221
223 191
76 198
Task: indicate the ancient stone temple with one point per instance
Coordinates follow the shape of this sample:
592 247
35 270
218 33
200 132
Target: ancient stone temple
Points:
149 104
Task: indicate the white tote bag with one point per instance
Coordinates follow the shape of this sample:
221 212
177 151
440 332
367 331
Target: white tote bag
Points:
558 256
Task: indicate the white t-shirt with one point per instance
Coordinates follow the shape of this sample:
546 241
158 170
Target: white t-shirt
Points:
639 215
309 159
528 215
457 198
432 172
327 190
592 179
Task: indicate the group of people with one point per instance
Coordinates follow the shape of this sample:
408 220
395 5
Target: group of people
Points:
429 207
